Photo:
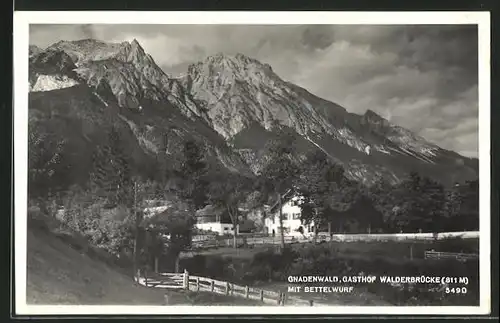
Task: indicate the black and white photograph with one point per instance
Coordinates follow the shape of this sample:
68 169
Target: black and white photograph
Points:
252 164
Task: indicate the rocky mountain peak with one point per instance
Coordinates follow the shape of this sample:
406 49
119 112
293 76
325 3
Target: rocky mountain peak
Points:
232 66
372 117
135 43
239 91
33 50
132 52
131 73
51 69
53 57
89 50
237 58
85 50
239 98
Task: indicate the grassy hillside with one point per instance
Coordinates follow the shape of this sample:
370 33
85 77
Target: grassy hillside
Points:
62 269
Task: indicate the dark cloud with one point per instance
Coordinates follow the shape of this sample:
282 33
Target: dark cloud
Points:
319 36
423 77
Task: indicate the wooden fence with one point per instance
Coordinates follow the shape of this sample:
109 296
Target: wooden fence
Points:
218 242
250 241
196 283
430 254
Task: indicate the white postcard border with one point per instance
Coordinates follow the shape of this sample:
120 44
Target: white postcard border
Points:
22 20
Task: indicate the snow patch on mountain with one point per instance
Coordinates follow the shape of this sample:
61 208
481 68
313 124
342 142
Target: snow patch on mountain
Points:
318 146
52 82
100 98
381 149
346 136
422 158
407 140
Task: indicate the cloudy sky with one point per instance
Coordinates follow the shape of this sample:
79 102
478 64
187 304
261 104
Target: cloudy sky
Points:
423 78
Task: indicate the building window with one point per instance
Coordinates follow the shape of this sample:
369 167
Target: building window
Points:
296 216
285 216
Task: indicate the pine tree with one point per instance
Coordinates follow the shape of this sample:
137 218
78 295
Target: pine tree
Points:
112 173
190 172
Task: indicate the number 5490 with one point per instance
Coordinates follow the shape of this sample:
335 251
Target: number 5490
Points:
455 290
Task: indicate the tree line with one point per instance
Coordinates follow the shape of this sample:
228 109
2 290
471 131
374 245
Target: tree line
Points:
109 207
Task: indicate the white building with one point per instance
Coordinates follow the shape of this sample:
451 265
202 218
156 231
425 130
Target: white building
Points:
220 228
292 225
209 219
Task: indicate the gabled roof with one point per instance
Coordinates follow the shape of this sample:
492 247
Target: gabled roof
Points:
207 210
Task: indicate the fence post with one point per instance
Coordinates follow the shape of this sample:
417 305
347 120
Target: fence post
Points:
246 291
197 284
283 299
232 289
146 277
186 280
212 285
311 302
227 288
156 264
261 295
279 298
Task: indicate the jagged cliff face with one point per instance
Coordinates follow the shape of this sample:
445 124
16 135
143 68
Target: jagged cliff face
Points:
33 50
234 104
131 73
239 91
96 87
245 98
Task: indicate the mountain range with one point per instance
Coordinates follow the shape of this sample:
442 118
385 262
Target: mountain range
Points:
233 104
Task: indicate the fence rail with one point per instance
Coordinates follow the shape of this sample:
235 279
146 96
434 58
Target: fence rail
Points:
216 242
450 255
197 283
